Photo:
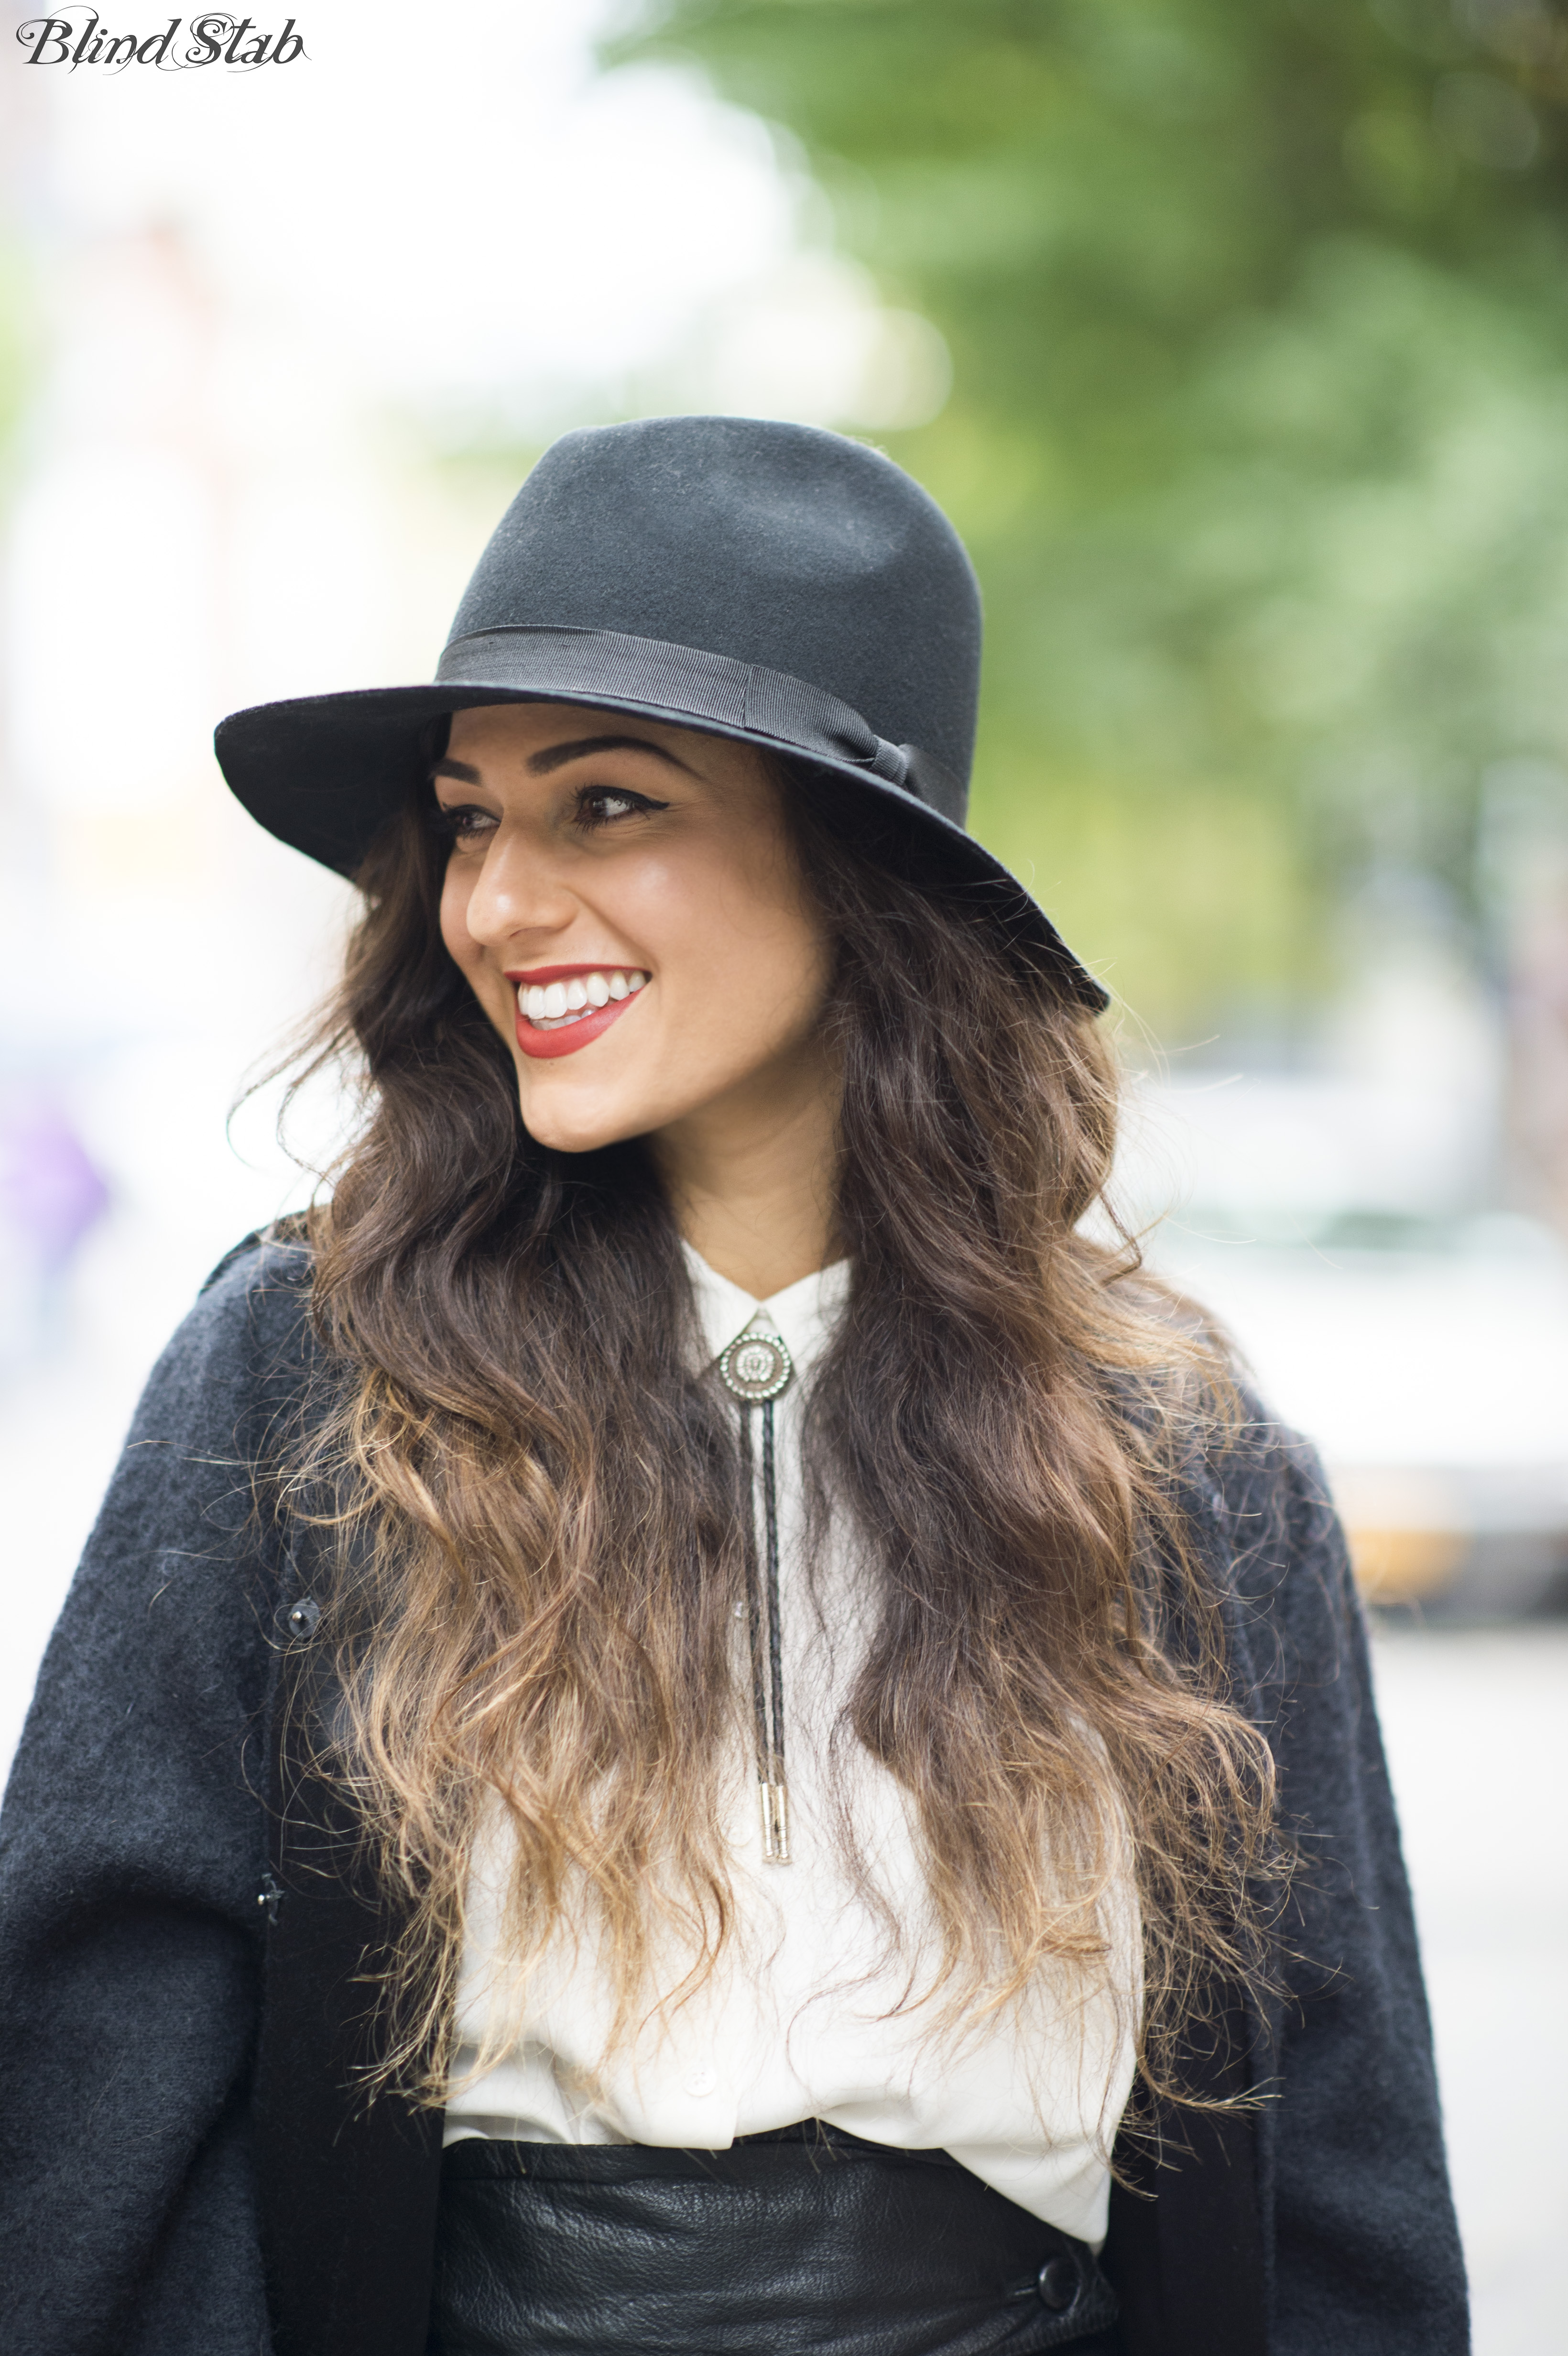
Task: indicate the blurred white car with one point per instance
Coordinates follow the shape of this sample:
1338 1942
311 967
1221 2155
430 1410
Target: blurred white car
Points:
1425 1351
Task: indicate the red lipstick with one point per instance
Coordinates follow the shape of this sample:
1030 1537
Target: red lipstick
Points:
545 1046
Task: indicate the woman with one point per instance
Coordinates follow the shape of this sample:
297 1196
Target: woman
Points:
693 1723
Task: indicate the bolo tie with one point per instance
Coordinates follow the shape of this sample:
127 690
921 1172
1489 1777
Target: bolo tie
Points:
756 1369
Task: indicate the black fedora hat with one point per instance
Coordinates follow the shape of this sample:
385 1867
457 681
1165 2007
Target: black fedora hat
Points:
767 582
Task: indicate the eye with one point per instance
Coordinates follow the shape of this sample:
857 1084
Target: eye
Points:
463 823
601 806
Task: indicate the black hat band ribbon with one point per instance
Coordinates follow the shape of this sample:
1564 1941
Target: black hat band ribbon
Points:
693 684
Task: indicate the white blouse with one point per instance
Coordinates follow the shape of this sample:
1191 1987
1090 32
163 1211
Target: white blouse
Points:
807 2014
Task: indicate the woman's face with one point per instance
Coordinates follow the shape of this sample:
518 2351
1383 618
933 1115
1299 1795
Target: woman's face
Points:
626 902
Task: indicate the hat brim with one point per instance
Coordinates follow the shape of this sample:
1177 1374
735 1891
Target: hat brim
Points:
326 773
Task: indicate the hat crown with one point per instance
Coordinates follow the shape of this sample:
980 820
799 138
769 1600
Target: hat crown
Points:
780 545
773 584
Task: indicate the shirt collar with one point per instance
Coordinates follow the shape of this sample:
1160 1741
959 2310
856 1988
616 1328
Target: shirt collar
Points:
804 1316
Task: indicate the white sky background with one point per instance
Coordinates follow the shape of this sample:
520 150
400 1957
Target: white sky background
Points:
438 202
453 210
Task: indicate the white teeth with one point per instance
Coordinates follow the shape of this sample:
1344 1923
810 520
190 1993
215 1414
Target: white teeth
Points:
551 1005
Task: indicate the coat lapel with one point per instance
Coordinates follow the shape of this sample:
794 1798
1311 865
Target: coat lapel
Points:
1185 2249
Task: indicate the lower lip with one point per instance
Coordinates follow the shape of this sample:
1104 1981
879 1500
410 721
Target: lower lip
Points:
545 1045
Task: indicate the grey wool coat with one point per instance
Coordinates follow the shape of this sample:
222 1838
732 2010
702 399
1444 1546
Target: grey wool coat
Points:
185 2165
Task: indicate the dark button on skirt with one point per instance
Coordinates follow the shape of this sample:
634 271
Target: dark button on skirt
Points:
808 2242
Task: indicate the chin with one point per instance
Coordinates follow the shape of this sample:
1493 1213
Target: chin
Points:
554 1121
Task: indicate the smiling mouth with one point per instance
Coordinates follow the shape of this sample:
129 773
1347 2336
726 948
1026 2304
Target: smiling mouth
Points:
557 1005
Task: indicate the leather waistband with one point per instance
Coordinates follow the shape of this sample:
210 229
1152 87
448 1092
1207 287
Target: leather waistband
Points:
807 2242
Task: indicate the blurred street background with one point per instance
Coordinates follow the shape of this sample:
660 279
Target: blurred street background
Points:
1233 335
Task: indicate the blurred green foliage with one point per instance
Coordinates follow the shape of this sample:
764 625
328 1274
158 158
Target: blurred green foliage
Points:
1258 312
19 346
14 341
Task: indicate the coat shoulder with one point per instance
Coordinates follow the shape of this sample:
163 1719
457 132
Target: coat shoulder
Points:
234 1376
1277 1545
273 1259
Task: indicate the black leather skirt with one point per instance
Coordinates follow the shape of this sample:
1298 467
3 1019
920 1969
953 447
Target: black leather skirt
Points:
807 2242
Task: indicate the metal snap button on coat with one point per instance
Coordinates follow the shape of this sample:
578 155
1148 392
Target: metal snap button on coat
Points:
304 1616
1058 2284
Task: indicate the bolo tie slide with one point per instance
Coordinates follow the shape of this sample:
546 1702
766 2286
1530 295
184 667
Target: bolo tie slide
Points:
756 1369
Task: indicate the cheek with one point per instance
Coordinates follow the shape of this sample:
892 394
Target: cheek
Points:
775 934
730 910
753 954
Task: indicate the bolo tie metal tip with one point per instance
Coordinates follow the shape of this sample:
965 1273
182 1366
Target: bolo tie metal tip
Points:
775 1798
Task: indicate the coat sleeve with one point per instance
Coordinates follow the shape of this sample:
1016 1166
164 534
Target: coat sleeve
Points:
1366 2248
133 1851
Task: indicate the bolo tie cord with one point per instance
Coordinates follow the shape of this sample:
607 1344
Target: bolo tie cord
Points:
755 1368
763 1616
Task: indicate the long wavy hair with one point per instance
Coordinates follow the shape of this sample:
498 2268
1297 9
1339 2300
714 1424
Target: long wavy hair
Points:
533 1495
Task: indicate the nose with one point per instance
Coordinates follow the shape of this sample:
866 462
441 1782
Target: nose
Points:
519 890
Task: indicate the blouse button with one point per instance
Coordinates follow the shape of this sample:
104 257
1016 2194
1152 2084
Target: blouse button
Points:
699 2082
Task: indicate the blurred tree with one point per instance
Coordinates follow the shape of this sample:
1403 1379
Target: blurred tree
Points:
1258 312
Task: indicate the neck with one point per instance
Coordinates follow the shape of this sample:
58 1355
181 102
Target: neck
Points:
750 1178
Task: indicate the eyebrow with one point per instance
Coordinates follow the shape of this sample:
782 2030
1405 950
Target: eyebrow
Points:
556 756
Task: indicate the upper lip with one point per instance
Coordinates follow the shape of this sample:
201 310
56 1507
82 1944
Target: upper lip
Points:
539 973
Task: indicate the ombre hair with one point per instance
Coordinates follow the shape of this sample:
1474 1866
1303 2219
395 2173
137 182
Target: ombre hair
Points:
534 1499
